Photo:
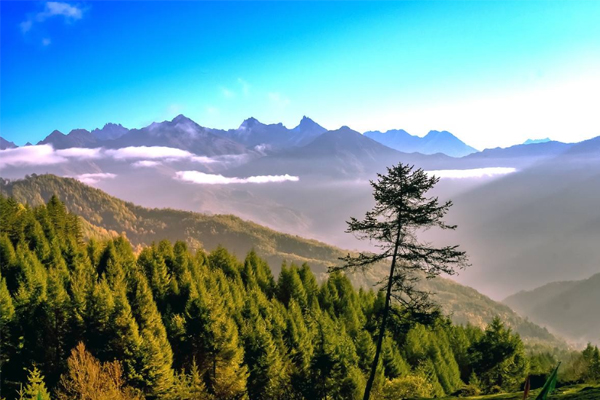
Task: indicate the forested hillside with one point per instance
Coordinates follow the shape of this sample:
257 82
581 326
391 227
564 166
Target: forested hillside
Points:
82 318
104 216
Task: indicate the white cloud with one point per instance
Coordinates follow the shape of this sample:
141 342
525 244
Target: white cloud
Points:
203 160
148 152
26 25
46 41
56 8
278 99
30 155
52 9
472 173
90 179
146 164
79 153
144 156
212 179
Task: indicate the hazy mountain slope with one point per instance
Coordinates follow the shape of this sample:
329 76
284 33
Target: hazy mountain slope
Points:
447 143
397 139
467 305
142 226
567 308
432 143
518 156
526 301
5 144
535 226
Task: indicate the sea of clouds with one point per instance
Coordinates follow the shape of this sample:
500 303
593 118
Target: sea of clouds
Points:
136 157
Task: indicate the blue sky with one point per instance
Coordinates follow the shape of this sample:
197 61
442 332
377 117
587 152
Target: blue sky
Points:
494 73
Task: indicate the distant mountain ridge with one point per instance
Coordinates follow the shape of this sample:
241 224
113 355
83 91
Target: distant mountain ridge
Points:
432 143
105 215
255 134
568 308
533 141
181 133
258 139
341 153
75 138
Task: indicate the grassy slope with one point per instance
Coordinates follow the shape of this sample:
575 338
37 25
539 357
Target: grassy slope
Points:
106 216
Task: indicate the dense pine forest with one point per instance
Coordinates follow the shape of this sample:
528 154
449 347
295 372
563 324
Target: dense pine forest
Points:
96 320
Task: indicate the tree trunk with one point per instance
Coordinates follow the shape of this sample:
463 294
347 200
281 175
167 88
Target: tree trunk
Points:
386 309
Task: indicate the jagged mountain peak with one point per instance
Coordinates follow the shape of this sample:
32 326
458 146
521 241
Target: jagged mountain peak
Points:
55 133
79 131
249 123
307 124
110 131
182 119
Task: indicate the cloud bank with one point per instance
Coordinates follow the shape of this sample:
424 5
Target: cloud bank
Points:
472 173
30 155
212 179
145 156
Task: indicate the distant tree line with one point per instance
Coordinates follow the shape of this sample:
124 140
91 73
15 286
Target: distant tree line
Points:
93 320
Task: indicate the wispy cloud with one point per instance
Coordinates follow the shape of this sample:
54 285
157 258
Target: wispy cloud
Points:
213 179
53 9
90 179
472 173
46 41
227 93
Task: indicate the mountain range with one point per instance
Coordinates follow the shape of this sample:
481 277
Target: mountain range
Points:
432 143
182 132
257 139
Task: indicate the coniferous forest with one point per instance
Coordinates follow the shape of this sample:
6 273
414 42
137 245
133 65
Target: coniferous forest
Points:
94 320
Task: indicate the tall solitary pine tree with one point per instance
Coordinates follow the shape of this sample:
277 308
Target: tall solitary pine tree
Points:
402 210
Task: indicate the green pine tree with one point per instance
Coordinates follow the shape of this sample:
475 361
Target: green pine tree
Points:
35 389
